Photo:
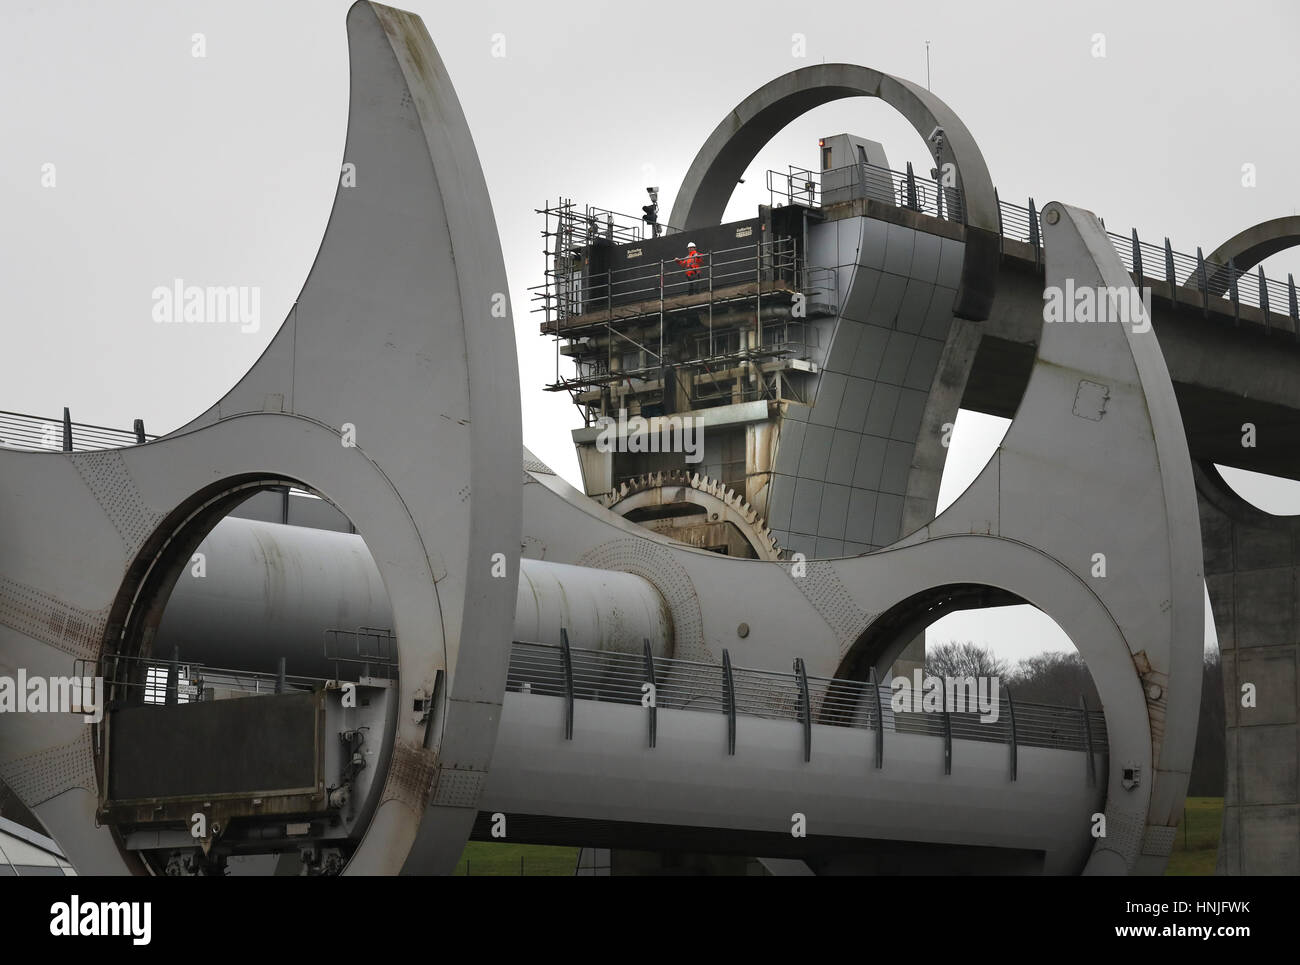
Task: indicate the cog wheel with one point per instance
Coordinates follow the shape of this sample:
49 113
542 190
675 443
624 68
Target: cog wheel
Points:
694 509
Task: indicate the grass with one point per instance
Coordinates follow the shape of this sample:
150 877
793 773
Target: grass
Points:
1195 848
1197 843
497 858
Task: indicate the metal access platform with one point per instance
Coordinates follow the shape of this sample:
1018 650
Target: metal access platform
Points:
622 302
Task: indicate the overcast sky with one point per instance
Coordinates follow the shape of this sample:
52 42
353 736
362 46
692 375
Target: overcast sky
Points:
221 169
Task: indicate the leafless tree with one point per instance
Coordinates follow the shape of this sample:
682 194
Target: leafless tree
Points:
967 659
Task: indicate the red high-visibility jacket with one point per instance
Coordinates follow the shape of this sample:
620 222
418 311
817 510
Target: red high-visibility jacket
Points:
692 263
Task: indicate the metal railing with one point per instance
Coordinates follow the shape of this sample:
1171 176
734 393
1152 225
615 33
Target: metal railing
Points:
902 189
155 680
35 433
578 228
620 678
766 275
624 292
1215 283
795 185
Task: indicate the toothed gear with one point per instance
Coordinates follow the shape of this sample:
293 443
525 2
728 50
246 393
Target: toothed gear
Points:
721 503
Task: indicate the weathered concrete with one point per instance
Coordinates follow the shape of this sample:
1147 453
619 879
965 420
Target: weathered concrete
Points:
1252 571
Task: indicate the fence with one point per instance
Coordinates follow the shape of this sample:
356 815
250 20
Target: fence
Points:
621 678
42 434
903 189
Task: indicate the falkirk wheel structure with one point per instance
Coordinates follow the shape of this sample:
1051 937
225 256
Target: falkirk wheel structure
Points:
504 649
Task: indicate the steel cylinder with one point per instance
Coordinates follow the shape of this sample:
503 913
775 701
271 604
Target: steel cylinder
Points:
258 592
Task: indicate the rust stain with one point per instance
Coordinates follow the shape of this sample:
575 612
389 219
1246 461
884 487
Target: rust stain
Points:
410 776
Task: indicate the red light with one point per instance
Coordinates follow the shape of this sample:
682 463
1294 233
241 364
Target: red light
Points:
821 142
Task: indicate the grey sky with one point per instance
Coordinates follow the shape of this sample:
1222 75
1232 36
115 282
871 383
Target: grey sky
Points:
221 170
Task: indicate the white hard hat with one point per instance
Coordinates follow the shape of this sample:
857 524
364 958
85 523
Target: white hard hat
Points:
690 244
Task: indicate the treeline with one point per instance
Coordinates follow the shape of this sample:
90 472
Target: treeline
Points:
1062 678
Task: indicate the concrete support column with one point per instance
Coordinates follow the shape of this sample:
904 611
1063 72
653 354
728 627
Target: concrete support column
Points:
1252 570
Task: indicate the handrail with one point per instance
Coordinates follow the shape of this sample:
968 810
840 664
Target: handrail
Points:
617 677
729 701
748 274
157 677
33 433
874 686
805 706
1213 280
648 656
566 663
1011 719
776 258
899 188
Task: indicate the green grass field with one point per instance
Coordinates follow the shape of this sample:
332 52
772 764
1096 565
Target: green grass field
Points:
1197 843
493 858
1195 849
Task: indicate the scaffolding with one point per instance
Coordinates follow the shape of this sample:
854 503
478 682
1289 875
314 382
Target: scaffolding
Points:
730 318
567 233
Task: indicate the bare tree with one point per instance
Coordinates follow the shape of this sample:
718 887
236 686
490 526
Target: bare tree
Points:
1054 678
953 659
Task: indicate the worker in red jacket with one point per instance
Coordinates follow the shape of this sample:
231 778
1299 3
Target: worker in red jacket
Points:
691 263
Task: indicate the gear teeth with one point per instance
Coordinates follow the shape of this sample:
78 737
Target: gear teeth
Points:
758 532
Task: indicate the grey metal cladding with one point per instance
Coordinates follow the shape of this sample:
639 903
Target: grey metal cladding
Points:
843 458
816 452
927 254
899 244
807 506
830 392
834 511
880 415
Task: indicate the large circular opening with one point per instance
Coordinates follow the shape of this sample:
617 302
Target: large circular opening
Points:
993 666
251 677
1026 717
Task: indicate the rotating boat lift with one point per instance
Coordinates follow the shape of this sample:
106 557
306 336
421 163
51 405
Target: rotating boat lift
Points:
526 618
